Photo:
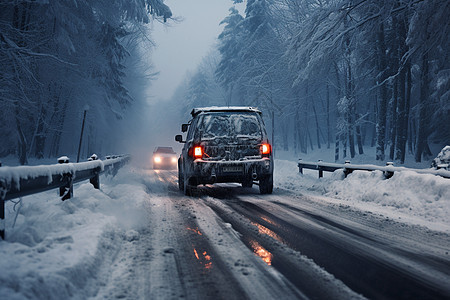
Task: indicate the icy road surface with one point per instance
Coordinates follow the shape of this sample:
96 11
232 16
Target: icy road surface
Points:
230 242
139 237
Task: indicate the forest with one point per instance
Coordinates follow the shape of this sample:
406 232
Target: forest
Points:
62 58
336 73
342 74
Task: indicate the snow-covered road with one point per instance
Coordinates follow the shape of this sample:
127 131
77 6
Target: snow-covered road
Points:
141 238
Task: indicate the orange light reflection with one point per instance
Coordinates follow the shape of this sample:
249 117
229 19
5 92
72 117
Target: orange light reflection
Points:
205 259
196 254
268 220
262 252
267 231
194 230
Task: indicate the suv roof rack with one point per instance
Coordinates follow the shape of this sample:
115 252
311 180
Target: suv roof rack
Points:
199 110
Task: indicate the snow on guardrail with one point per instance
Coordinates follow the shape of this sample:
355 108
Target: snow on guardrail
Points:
22 181
387 170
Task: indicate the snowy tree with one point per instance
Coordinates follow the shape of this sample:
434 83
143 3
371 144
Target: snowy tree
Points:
355 73
229 46
58 56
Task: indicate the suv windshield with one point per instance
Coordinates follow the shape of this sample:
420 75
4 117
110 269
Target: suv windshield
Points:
226 125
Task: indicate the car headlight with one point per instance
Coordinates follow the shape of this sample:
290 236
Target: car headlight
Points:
157 159
174 160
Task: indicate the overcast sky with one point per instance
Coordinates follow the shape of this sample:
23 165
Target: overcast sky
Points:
181 46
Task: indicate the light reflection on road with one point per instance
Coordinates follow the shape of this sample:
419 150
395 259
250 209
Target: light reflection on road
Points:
194 230
267 231
204 258
268 220
262 252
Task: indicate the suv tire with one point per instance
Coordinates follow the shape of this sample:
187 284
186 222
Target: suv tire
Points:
266 184
187 189
180 180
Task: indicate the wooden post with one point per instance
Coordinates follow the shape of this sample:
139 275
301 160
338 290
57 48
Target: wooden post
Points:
66 191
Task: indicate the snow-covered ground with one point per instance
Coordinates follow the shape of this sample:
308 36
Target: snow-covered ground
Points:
54 249
419 199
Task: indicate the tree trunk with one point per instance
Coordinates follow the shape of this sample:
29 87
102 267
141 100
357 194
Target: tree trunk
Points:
351 111
381 121
402 117
393 133
359 139
336 148
60 126
375 118
408 103
317 126
412 135
344 145
328 118
40 136
402 123
22 144
306 128
337 132
422 123
285 134
20 22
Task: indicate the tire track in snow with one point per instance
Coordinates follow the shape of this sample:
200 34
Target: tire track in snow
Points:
185 264
365 265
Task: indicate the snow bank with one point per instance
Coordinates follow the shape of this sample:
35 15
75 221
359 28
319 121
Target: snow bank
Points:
422 199
56 248
443 158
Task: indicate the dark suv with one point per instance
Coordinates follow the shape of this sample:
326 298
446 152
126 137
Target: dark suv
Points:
225 144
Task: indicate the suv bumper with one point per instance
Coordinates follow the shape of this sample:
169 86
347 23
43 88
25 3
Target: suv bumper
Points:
230 171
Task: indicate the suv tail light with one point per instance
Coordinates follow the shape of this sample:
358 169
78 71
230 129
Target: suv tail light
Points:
196 152
265 149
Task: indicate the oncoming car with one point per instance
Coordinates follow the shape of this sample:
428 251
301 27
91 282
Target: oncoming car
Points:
225 144
164 158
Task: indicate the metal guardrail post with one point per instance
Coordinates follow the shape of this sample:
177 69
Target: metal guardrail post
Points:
66 191
347 171
388 174
320 169
95 181
300 168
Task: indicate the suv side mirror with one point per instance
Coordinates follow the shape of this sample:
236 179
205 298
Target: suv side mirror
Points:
179 138
184 127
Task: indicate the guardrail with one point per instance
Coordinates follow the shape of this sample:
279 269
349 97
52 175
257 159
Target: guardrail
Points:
22 181
348 168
